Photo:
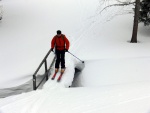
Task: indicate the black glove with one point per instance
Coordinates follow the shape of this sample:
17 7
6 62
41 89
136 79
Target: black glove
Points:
66 50
51 49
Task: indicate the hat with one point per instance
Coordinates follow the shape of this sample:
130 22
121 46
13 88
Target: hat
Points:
58 32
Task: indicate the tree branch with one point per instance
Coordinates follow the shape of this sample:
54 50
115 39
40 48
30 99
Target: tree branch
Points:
124 4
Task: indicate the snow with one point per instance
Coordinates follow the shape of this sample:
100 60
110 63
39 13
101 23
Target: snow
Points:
114 78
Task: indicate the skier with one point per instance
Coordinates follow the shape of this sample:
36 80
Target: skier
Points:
61 45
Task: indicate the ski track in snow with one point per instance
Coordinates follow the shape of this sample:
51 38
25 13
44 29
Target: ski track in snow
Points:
43 100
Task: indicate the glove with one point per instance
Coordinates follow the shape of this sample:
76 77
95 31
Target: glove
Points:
51 49
66 50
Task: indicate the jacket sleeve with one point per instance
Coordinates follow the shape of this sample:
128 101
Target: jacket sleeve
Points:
67 43
53 42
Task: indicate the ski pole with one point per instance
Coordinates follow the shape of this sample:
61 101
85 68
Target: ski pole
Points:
76 57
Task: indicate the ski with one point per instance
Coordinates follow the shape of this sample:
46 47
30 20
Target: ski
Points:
54 76
56 70
59 78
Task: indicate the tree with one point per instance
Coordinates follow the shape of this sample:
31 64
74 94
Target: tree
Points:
135 24
136 16
1 12
144 15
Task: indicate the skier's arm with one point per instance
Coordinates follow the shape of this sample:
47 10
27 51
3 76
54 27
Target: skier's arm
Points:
67 43
53 43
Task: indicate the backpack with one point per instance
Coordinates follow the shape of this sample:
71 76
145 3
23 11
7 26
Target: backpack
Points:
63 38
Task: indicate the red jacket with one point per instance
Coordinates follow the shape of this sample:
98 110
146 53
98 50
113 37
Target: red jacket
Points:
60 42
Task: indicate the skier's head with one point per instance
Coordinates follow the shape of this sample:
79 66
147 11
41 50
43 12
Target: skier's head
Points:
58 32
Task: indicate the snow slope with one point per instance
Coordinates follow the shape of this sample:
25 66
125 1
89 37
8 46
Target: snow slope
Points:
116 74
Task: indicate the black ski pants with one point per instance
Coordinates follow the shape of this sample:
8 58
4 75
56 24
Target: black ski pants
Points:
60 58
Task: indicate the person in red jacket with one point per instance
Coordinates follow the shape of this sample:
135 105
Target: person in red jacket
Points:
61 45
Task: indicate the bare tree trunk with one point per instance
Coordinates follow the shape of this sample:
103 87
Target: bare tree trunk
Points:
135 26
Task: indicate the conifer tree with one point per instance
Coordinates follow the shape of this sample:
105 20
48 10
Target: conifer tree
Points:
144 15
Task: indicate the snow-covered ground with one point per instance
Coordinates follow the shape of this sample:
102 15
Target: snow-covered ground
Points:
115 78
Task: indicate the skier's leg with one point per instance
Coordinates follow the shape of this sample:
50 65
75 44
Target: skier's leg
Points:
57 60
62 61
